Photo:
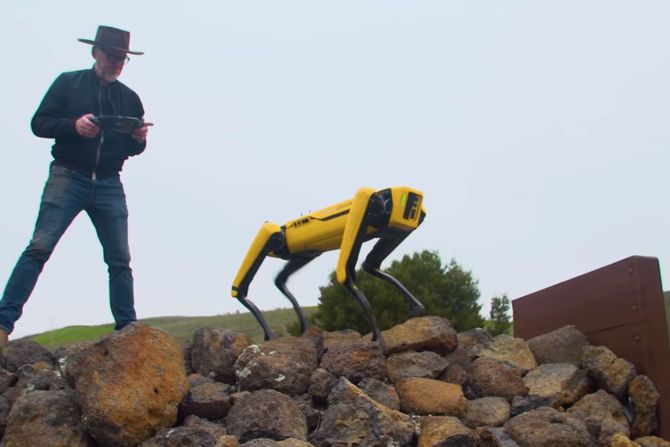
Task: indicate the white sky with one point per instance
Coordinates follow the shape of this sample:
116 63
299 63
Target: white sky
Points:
538 131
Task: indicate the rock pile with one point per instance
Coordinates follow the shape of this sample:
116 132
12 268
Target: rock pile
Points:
432 388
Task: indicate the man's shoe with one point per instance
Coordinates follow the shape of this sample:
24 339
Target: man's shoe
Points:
3 338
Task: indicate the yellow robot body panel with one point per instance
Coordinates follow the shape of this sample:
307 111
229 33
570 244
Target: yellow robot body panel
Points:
318 231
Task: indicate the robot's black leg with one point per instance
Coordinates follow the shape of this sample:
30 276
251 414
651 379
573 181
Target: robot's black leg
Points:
384 246
259 317
367 310
280 281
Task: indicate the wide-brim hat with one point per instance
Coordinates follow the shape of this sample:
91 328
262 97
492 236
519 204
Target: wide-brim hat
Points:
112 38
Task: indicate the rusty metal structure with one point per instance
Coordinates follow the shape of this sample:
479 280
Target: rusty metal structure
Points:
620 306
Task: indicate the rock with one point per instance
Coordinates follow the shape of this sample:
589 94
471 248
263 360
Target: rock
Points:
213 428
338 338
355 361
129 385
611 373
5 406
63 354
445 431
512 351
353 418
206 398
285 365
490 377
427 365
652 441
182 437
522 404
430 333
560 383
645 396
474 340
324 340
291 442
494 437
428 396
620 440
603 415
564 345
40 376
312 414
381 392
45 418
36 376
7 379
459 368
261 442
266 414
187 351
547 427
214 352
487 411
320 385
228 441
24 352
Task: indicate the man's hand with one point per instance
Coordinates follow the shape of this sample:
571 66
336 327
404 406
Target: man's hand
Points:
140 134
85 127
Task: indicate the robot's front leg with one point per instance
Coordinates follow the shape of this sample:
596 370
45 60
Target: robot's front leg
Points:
384 246
367 310
267 332
291 267
352 238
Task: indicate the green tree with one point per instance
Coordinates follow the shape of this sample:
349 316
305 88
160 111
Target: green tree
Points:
500 322
445 290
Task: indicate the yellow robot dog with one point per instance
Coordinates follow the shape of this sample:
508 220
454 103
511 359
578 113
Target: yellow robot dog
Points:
389 215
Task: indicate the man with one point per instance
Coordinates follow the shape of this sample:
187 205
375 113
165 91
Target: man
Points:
84 175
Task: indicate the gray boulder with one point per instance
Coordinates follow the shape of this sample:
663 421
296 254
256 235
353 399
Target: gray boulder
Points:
426 365
45 419
560 383
547 427
214 352
266 414
355 361
285 365
564 345
353 418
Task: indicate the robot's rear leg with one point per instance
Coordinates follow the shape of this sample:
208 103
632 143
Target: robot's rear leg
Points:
280 281
416 307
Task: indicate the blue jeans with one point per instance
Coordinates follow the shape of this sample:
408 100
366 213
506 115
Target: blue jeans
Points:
66 193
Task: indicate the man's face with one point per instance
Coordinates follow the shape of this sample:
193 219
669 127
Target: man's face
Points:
109 63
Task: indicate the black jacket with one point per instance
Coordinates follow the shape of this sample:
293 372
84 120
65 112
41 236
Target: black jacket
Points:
77 93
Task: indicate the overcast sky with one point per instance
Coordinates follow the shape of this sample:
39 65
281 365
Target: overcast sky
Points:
537 130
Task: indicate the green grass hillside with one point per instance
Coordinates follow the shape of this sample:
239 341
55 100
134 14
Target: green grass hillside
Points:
181 328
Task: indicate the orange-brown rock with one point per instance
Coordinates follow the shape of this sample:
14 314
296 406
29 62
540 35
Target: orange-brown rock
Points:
512 351
439 431
645 396
429 396
129 385
430 333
